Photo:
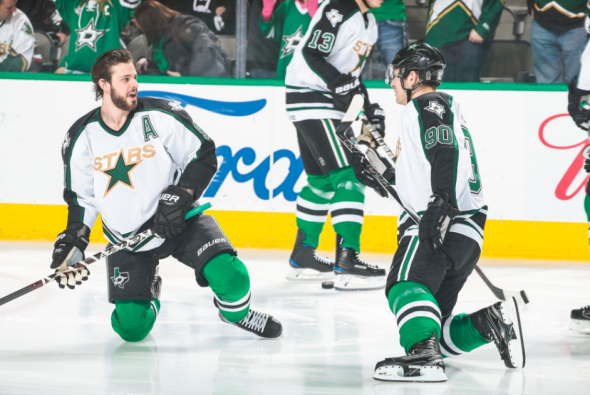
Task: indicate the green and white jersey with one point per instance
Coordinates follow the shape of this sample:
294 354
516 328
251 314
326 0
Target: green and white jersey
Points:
121 174
95 28
584 76
435 152
287 25
450 21
17 43
339 40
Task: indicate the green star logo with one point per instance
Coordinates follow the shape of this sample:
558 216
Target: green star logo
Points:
413 46
362 58
291 43
119 173
120 279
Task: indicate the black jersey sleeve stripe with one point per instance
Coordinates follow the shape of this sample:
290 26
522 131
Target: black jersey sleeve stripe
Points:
439 142
324 34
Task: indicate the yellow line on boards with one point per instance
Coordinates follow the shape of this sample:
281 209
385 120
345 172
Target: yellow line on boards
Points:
503 239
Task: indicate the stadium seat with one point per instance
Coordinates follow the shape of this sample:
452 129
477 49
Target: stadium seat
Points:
509 60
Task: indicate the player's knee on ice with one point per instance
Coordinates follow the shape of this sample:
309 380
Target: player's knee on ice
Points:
228 278
134 319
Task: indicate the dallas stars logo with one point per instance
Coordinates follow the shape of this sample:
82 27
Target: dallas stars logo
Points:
120 279
334 17
119 173
88 36
436 108
291 43
413 46
362 58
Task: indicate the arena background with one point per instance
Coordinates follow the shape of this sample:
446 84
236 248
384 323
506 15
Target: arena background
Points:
528 149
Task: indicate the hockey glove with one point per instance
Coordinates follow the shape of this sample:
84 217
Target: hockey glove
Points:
376 116
361 165
586 155
580 113
436 221
68 250
343 88
174 203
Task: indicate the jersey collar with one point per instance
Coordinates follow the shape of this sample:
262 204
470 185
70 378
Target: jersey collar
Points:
111 131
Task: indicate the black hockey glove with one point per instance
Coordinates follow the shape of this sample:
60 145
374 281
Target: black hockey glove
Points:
586 155
68 250
580 114
174 203
361 166
376 116
344 87
436 221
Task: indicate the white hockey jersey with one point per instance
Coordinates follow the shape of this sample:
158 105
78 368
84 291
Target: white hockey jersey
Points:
435 152
17 40
584 75
121 174
338 41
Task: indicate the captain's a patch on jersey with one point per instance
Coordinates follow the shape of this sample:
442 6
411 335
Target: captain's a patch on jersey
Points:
436 108
334 17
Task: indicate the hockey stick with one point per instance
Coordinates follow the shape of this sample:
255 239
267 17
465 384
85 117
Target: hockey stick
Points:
354 112
95 258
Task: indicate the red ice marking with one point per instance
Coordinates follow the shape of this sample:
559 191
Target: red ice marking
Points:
574 169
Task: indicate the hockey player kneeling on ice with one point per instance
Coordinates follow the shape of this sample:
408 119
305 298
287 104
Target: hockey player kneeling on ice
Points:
322 78
436 176
143 163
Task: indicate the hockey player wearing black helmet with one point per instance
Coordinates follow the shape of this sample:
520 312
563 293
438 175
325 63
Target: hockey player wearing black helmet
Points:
436 176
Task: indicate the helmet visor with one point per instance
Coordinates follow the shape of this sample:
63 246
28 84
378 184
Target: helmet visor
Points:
389 74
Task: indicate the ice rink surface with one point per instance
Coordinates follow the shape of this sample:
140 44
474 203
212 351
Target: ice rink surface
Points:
56 341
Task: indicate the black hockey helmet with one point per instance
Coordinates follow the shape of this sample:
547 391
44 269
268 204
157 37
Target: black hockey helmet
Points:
422 58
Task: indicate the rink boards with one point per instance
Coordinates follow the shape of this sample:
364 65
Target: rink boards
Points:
528 150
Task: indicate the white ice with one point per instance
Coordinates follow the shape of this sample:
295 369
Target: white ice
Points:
56 341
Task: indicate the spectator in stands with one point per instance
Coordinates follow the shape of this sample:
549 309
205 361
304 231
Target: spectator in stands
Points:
45 19
393 30
95 27
287 25
17 42
218 15
463 32
182 44
557 39
262 55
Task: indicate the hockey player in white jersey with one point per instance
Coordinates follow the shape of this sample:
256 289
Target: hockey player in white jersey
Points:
17 42
579 110
321 80
437 177
143 163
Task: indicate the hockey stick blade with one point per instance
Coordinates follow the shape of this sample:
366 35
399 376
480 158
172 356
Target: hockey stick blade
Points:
95 258
352 114
521 297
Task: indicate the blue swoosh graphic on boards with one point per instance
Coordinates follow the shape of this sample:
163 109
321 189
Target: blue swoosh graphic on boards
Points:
232 109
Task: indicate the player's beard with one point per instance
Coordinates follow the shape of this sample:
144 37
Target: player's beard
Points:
120 101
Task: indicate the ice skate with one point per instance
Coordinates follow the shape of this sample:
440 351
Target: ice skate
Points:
423 364
500 323
354 274
581 320
306 264
263 325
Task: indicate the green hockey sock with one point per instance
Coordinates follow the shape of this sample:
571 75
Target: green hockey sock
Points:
134 319
459 335
313 204
347 207
229 280
587 209
416 312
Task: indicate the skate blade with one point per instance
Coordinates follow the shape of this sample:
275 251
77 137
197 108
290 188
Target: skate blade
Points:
350 282
580 326
295 274
510 314
428 374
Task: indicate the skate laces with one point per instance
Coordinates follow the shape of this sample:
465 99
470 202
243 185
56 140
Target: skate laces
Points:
369 265
321 259
255 321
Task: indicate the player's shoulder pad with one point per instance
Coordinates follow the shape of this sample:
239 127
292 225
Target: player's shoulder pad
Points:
72 135
338 11
434 109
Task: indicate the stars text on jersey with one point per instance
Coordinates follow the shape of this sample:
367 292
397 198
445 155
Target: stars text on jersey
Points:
334 17
117 166
362 51
291 43
89 36
436 108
